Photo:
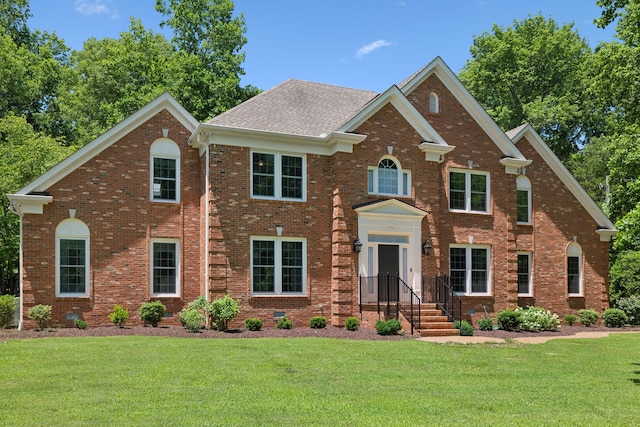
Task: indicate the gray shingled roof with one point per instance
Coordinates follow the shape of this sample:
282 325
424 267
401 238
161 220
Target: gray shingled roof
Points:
297 107
513 132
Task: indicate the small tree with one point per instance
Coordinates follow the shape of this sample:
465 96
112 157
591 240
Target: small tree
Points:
41 314
222 311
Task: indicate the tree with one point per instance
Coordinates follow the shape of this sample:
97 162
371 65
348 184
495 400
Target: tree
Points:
532 72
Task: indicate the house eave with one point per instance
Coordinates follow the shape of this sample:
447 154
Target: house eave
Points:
606 234
21 204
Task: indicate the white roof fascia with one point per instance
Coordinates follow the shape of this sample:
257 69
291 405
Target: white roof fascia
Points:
21 204
606 227
104 141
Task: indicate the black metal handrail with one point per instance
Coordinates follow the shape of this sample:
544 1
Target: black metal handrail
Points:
446 298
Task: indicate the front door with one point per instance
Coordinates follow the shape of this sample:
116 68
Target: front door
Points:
388 272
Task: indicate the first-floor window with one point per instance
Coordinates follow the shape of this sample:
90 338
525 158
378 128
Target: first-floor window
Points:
165 268
469 269
524 274
72 258
278 266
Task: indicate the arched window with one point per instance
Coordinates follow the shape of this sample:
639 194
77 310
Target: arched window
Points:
574 269
523 199
434 103
72 258
388 178
165 171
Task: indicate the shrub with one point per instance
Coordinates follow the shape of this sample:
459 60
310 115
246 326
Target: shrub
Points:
41 314
352 324
466 330
253 324
625 276
80 324
222 311
587 316
485 324
199 303
284 323
151 313
388 327
614 318
631 307
509 320
119 316
318 322
570 319
8 306
537 319
191 319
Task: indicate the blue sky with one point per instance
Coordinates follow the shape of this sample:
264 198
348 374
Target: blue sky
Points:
365 44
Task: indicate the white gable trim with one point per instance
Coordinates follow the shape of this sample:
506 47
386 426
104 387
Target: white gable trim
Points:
606 228
104 141
391 208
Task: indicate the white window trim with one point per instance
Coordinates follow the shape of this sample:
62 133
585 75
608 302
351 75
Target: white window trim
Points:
524 184
164 148
402 191
277 281
436 98
530 284
467 275
178 265
73 229
575 250
277 187
467 191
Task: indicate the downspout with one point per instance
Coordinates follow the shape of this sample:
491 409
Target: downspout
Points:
206 223
16 210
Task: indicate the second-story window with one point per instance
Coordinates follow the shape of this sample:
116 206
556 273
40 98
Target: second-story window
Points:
469 191
277 176
388 178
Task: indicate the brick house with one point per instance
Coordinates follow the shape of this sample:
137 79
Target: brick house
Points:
309 199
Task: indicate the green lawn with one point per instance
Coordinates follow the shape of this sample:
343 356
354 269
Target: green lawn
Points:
155 381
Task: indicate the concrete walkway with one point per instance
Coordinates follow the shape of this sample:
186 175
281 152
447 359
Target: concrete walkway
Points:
523 340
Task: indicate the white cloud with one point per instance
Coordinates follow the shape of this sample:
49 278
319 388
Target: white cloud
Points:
96 7
365 50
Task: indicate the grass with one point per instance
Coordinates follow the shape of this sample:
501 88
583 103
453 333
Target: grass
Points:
160 381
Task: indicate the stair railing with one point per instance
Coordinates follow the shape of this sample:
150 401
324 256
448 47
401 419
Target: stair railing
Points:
446 298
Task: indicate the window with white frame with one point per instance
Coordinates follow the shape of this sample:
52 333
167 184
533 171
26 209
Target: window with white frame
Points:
434 103
278 266
523 200
469 269
72 258
165 261
524 274
278 176
389 178
468 191
165 176
574 269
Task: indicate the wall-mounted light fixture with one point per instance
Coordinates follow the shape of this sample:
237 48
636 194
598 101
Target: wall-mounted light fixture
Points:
357 246
426 248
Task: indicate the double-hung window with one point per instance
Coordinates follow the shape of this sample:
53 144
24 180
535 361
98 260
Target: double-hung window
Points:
165 254
574 269
72 259
468 191
469 269
524 274
278 266
523 200
165 171
388 178
278 176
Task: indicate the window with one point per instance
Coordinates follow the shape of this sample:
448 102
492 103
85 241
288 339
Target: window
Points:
574 269
469 269
388 178
469 191
278 266
72 258
165 262
434 103
523 200
277 176
165 176
524 274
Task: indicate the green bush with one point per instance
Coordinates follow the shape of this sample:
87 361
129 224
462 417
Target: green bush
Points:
119 316
537 319
79 323
352 324
509 320
570 319
587 316
222 311
8 306
191 319
284 323
318 322
485 324
388 327
466 330
253 324
625 276
41 314
614 318
151 313
631 307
